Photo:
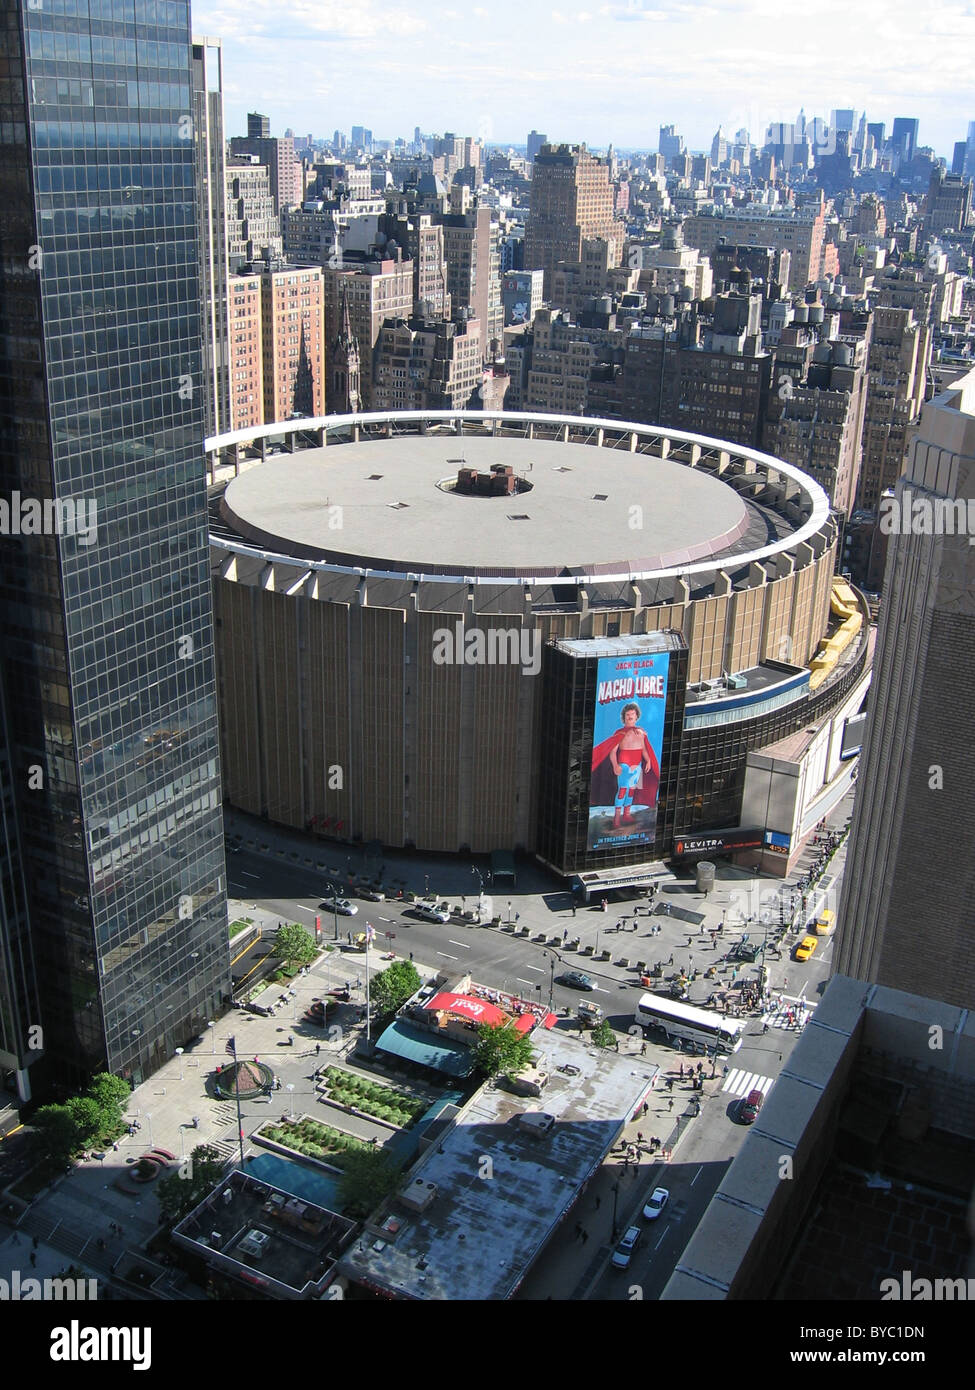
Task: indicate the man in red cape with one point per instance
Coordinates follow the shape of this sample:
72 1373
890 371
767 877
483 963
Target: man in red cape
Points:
625 769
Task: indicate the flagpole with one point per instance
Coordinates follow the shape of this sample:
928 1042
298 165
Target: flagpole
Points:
368 935
232 1049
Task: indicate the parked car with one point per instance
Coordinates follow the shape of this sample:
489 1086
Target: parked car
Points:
429 913
340 905
575 979
656 1202
624 1251
806 947
750 1106
372 895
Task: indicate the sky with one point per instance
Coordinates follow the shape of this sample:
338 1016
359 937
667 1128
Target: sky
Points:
600 74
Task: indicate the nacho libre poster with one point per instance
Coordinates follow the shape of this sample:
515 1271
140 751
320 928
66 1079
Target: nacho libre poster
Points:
631 697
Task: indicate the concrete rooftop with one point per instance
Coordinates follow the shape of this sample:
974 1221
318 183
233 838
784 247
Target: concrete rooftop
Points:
394 515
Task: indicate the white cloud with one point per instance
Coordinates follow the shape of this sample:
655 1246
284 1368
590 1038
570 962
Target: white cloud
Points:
319 64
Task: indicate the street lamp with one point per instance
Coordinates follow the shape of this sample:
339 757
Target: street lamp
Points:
616 1193
426 883
213 1037
291 1091
179 1054
550 957
149 1123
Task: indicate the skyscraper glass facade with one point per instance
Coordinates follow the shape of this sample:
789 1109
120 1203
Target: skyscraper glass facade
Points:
107 627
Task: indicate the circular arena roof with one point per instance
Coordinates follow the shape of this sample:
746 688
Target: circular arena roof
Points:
388 504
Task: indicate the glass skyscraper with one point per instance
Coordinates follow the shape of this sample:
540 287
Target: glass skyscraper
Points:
105 619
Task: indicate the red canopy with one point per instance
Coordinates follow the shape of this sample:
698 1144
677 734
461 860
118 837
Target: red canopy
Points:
467 1007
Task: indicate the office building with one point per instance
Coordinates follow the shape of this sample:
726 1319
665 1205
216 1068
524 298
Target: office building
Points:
427 364
106 626
284 170
258 126
535 142
253 225
474 270
905 916
814 416
896 365
378 287
292 341
521 295
949 204
802 234
246 352
571 200
903 137
211 195
671 145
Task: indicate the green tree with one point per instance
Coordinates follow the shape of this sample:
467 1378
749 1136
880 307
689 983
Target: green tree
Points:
369 1177
87 1118
190 1184
111 1095
500 1048
294 945
57 1132
603 1035
394 985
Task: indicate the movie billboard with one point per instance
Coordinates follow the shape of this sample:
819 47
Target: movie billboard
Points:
631 697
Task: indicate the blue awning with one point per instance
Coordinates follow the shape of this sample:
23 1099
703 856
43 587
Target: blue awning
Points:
417 1045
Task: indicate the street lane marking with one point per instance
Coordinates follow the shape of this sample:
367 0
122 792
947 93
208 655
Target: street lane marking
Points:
247 875
697 1175
739 1083
446 956
521 981
536 968
452 942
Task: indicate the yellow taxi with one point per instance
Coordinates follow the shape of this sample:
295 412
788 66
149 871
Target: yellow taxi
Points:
806 947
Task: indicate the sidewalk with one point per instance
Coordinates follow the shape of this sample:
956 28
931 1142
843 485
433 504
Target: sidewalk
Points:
569 1266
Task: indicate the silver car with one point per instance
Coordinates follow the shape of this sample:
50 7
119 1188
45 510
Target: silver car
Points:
624 1251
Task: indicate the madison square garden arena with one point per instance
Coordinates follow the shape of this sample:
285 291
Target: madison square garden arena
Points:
602 644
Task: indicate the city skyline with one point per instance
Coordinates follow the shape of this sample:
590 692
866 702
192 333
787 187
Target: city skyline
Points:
393 71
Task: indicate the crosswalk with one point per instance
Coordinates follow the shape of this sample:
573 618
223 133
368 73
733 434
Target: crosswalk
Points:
739 1083
778 1015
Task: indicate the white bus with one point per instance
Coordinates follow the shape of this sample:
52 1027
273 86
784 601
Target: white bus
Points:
684 1023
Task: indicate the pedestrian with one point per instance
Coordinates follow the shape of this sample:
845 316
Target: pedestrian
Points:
643 1049
670 1083
646 1108
682 1071
411 955
671 961
565 935
585 1236
573 909
639 1137
670 1103
318 1048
